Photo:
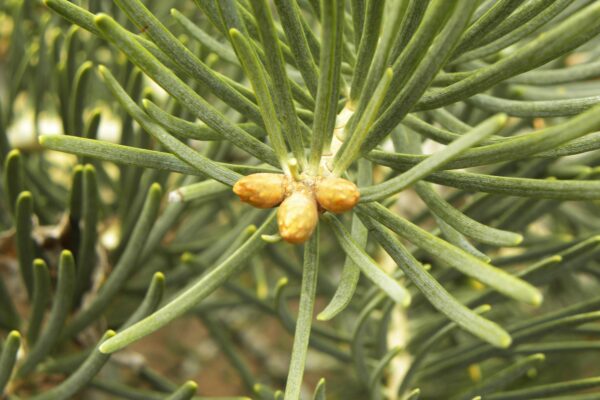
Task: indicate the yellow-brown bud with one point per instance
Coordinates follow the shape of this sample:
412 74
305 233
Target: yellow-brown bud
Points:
337 195
297 217
262 190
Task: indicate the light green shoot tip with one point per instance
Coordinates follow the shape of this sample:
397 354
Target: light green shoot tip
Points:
537 299
16 335
105 347
282 282
272 239
156 188
101 18
502 119
25 195
191 384
14 153
186 257
540 356
407 300
505 341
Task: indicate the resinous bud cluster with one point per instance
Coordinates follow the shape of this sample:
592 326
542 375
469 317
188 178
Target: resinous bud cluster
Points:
299 201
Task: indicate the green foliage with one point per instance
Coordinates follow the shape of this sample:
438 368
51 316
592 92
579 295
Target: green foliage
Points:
484 285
